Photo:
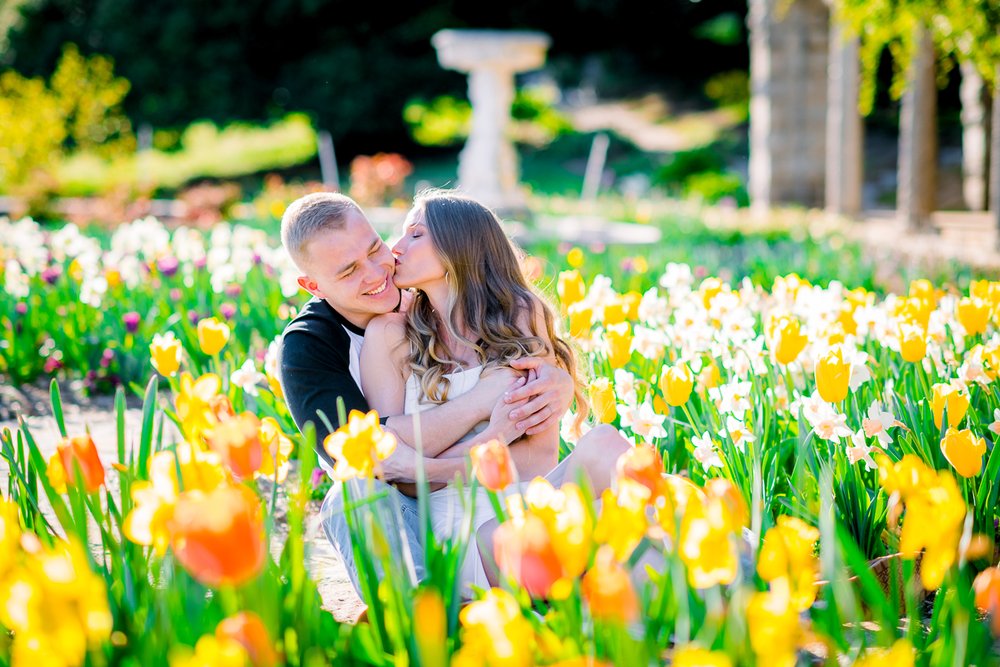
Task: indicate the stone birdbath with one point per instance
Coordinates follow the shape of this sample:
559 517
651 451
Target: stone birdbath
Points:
488 166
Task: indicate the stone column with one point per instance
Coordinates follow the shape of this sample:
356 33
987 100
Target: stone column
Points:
488 167
844 128
788 94
995 155
915 199
975 138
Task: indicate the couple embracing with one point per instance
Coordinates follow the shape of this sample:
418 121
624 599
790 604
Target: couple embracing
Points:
443 324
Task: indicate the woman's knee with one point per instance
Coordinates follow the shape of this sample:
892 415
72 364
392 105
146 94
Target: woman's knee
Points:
603 444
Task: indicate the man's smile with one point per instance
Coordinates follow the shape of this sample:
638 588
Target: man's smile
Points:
378 290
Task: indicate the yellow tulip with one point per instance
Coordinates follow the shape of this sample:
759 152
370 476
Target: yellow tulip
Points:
951 397
974 314
622 521
631 301
165 353
581 318
570 288
602 401
709 377
900 654
615 312
608 590
964 451
618 344
912 343
676 383
575 258
432 637
211 651
212 335
833 376
774 628
692 656
788 553
787 341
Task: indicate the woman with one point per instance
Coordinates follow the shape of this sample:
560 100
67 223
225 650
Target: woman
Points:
472 313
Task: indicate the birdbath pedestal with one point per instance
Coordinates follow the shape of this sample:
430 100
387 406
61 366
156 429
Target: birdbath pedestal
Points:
487 166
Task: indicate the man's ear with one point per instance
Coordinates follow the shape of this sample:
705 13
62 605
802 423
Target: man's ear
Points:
309 285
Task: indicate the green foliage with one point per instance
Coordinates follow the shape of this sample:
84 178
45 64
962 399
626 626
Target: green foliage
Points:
730 89
726 29
445 120
964 30
204 151
713 187
78 110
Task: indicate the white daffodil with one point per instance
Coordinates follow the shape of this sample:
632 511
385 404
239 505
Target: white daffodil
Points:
643 421
737 430
995 426
247 377
832 426
877 423
705 451
860 451
625 388
732 398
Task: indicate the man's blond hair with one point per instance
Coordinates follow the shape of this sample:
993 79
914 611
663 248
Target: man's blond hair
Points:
307 216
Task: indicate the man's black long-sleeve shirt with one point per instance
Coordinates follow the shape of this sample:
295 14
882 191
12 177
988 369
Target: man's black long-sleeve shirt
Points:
318 366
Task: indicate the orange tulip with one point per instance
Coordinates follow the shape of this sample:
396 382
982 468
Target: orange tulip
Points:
644 465
608 590
524 551
237 442
492 464
987 587
218 536
75 451
248 630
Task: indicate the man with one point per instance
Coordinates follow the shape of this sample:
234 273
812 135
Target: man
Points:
348 269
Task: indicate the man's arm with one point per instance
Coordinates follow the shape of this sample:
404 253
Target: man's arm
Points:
313 377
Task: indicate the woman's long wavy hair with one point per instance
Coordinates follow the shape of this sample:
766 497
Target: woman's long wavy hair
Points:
490 298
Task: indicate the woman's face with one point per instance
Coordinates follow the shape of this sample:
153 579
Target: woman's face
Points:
417 261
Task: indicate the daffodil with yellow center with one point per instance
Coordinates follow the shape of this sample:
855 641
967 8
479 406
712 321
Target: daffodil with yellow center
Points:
494 633
194 404
358 446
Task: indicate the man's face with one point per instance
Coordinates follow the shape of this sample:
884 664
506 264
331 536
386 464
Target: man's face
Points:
352 269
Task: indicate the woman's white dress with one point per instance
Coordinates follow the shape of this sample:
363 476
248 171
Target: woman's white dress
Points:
447 506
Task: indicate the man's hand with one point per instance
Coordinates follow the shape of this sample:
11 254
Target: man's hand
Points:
548 392
493 385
